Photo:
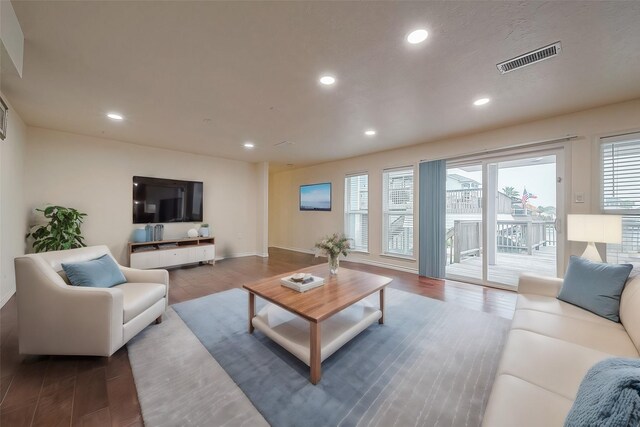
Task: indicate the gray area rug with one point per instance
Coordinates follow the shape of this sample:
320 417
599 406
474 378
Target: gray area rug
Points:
180 384
430 364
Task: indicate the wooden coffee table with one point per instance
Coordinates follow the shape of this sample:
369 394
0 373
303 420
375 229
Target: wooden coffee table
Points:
340 292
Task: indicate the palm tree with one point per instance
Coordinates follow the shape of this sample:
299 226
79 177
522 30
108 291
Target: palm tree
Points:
547 211
511 192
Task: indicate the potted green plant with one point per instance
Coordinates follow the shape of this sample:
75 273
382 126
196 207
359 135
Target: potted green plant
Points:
62 231
204 230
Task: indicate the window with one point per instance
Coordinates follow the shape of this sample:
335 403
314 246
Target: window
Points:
397 211
356 211
620 162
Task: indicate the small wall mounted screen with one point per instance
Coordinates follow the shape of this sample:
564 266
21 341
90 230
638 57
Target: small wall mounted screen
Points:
315 197
160 200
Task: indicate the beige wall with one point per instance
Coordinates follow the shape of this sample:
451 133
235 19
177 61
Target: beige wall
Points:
95 176
262 205
290 228
13 224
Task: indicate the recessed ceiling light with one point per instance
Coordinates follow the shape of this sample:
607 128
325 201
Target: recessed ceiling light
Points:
327 80
370 132
481 101
249 145
115 116
417 36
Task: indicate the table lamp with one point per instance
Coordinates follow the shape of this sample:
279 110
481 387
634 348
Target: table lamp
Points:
594 229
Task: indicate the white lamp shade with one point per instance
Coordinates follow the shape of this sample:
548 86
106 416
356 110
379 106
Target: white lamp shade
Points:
594 228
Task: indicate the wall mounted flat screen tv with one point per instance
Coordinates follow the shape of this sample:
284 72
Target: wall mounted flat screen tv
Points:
315 197
166 200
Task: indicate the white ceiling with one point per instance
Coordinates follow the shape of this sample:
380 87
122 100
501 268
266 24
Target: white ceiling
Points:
206 77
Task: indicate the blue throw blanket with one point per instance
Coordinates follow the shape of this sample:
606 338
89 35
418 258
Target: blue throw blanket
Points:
609 396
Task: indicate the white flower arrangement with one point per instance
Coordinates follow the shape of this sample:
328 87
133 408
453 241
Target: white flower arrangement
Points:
334 245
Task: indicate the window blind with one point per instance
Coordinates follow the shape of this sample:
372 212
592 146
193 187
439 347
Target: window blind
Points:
621 174
356 211
620 165
397 211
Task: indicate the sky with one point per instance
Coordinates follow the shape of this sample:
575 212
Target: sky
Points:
315 194
538 179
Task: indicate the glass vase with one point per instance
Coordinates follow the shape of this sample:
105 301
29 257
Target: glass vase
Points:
334 263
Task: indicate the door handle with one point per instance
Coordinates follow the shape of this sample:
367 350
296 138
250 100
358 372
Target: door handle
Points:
557 224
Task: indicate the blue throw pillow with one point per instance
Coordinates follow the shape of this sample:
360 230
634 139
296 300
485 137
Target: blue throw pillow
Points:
101 272
595 286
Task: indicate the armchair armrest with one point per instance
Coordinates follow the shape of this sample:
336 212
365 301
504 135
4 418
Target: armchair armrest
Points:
134 275
145 276
93 317
539 285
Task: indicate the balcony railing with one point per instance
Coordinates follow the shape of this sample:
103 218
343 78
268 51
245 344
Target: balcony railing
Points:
464 240
524 236
469 201
399 235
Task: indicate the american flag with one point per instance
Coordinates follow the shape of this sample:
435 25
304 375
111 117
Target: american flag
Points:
526 196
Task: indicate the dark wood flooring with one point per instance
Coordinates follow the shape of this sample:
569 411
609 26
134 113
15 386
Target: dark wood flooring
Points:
98 391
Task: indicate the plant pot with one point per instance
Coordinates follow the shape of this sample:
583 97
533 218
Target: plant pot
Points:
204 231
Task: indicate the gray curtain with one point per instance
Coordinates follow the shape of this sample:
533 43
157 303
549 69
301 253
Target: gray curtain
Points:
431 217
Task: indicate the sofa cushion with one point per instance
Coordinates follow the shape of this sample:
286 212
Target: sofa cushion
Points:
596 336
516 402
550 363
595 286
102 272
137 297
555 306
630 310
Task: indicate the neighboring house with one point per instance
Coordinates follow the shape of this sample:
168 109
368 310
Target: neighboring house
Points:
464 208
459 182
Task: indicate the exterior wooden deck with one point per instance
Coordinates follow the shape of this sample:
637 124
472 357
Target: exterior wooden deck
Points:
508 266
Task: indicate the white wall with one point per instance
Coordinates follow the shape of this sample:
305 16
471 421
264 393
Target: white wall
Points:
13 223
290 228
95 176
262 189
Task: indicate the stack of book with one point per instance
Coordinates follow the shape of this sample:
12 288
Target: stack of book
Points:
307 283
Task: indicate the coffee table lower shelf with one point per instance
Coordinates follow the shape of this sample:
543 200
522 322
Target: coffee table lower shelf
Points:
294 333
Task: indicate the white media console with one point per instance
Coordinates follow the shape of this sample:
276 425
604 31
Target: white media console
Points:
172 253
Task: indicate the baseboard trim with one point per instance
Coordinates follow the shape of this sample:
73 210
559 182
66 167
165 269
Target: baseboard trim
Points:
286 248
238 255
385 265
6 298
357 260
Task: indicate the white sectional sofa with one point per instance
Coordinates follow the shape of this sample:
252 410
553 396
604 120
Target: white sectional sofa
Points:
551 346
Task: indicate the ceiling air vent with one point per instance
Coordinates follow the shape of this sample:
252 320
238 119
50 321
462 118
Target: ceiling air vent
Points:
283 144
530 58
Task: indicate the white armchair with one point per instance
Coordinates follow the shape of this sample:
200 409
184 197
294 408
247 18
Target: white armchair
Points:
55 318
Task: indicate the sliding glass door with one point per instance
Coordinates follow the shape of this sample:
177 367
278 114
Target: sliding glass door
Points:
464 222
503 218
522 222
